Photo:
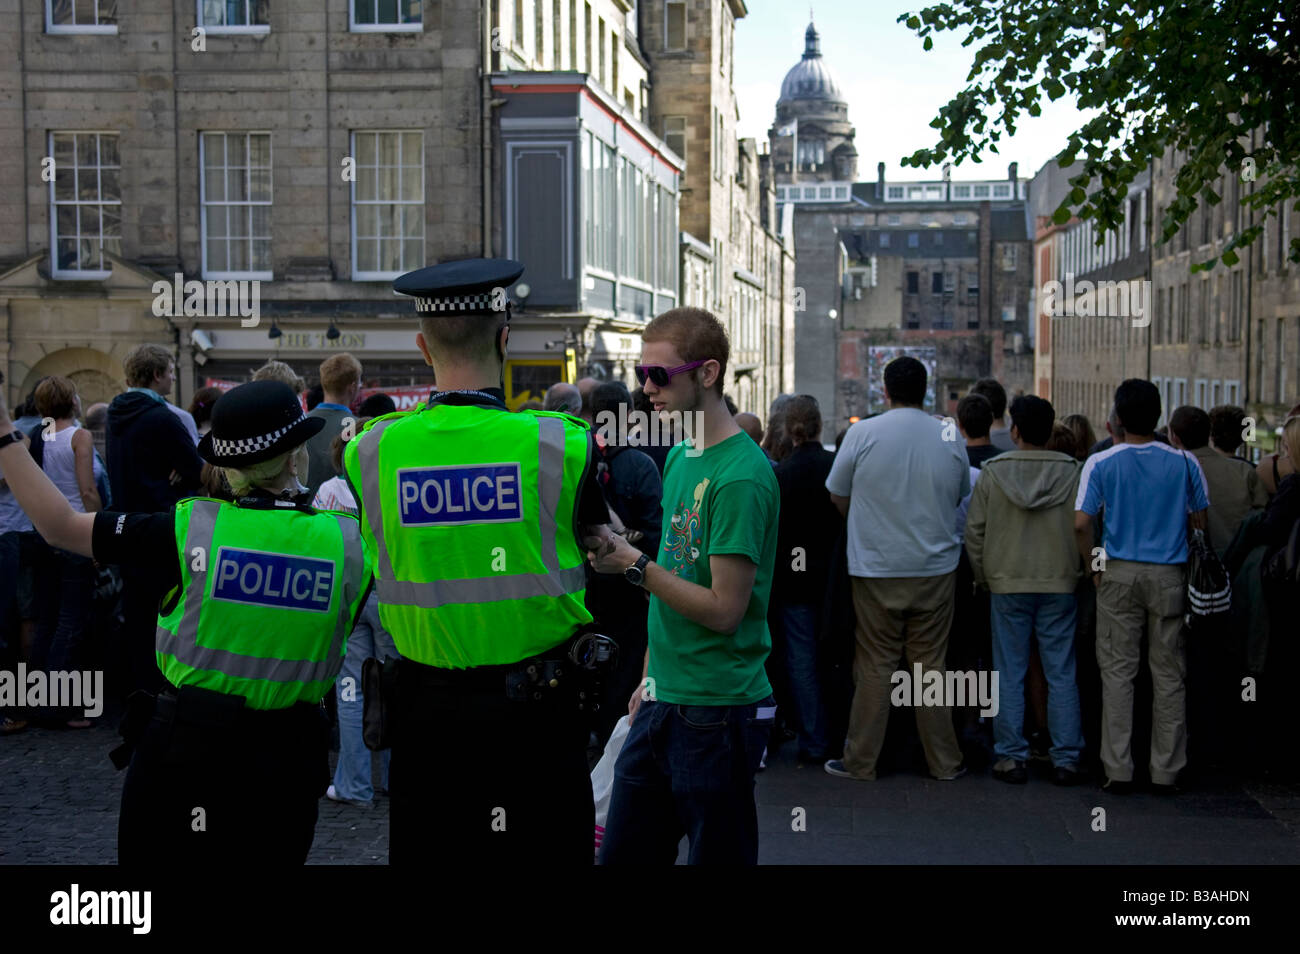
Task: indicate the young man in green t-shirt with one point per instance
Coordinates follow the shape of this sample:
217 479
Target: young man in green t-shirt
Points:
701 721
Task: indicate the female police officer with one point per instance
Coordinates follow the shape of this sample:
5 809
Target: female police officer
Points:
231 758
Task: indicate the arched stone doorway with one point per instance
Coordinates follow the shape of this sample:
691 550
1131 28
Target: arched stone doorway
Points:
97 376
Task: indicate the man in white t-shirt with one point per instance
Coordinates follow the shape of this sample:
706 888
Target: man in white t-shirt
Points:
899 482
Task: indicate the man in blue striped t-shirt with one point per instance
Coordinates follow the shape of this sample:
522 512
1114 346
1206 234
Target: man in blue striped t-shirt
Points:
1148 490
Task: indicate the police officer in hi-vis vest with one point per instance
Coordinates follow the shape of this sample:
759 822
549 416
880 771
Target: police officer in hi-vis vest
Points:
480 520
230 760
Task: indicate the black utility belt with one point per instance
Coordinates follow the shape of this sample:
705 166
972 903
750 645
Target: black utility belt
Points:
564 676
190 705
203 707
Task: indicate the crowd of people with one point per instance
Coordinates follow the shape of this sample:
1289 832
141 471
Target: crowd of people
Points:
1005 540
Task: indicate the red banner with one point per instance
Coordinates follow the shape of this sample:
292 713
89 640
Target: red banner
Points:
219 383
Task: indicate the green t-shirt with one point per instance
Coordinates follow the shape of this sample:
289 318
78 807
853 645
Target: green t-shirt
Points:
724 500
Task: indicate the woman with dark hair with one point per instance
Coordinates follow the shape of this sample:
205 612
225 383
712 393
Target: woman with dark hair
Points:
201 408
1084 437
808 527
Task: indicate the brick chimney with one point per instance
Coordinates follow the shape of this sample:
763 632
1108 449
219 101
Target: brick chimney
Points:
880 181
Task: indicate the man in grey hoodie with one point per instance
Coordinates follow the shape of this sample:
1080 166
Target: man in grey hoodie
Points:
1020 540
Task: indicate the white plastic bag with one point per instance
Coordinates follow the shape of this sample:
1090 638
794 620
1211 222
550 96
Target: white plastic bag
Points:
602 777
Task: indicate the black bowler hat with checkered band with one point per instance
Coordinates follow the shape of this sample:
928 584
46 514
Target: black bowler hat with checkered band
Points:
472 286
255 422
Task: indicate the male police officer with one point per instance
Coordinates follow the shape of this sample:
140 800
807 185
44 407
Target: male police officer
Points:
262 595
475 516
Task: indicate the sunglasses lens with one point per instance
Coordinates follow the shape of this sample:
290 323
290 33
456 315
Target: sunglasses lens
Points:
640 374
656 373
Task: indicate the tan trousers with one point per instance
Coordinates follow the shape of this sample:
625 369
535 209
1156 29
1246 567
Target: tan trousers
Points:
1133 596
908 615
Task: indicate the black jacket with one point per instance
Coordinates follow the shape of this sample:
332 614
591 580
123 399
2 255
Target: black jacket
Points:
145 443
808 520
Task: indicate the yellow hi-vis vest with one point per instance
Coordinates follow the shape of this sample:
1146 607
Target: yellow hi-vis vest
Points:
267 599
471 514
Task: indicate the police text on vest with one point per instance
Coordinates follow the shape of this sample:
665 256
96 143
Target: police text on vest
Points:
273 579
470 493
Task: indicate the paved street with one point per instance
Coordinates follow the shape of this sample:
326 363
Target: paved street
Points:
59 798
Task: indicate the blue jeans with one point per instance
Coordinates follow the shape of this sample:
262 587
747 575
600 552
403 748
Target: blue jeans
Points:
369 639
799 621
1015 618
687 770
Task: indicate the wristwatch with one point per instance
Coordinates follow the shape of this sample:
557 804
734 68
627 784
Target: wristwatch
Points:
635 574
13 437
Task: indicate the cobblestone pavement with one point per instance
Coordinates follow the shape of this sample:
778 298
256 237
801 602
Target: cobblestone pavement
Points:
59 798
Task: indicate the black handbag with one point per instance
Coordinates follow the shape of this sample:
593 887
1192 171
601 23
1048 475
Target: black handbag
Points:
1209 590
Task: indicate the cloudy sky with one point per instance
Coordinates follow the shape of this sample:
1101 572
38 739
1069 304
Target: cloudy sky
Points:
894 88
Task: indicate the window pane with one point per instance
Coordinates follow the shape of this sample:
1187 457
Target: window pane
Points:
412 149
387 11
413 221
367 255
85 12
238 255
87 184
66 220
108 151
411 184
389 225
261 218
260 186
386 149
109 184
68 253
111 221
87 153
217 222
365 148
388 184
363 11
65 182
218 260
238 220
390 255
411 12
367 221
236 186
413 254
259 150
215 185
366 182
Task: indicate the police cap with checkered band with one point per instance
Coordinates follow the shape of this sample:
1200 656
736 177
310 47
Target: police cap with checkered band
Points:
255 422
472 286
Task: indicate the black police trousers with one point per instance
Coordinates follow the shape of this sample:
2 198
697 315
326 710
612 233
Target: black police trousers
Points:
480 779
224 788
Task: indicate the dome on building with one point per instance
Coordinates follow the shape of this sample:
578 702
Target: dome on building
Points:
810 78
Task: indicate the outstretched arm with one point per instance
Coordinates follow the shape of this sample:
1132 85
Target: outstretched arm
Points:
47 508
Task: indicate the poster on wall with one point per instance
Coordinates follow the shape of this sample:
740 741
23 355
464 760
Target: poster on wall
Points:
879 356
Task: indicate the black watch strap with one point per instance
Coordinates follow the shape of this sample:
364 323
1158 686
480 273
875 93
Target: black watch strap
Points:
636 572
13 437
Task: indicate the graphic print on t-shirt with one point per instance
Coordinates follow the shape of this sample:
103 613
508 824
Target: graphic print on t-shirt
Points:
683 543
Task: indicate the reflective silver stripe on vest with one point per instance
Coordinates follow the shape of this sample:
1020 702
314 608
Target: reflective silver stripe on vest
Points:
550 468
368 455
353 568
184 644
487 589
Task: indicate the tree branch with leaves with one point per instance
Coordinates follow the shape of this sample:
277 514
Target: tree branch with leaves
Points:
1201 78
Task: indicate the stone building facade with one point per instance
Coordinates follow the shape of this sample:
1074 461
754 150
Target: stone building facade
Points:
735 262
1230 335
318 150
